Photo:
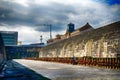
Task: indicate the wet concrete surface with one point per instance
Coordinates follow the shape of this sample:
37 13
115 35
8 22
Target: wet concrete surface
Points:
15 71
59 71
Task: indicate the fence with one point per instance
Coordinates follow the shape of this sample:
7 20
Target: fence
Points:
111 63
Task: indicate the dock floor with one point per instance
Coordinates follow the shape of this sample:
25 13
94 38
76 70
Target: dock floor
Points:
15 71
59 71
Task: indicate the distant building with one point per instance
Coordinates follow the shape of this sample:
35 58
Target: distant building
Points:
50 41
9 37
58 37
38 44
70 29
82 29
22 51
19 42
70 32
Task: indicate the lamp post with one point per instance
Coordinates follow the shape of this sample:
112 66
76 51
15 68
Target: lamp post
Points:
41 38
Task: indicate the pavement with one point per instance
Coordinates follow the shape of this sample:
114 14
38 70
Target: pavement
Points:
59 71
15 71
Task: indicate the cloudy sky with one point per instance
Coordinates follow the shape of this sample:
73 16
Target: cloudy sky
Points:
28 16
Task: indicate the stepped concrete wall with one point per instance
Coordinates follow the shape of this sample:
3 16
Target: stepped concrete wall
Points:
101 42
2 54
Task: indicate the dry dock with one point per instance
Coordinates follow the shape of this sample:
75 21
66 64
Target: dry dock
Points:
59 71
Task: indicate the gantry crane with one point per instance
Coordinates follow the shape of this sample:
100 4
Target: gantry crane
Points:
50 26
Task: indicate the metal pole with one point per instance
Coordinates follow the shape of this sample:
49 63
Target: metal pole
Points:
41 38
50 31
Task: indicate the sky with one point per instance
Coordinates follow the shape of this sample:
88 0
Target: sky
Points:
28 17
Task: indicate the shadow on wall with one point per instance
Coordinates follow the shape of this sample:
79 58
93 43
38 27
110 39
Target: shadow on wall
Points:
2 54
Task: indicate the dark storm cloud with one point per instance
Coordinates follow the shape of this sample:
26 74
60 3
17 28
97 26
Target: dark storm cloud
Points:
15 14
58 14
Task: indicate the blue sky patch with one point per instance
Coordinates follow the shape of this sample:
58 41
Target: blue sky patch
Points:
110 2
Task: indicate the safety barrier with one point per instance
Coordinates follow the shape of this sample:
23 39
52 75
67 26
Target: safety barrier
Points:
111 63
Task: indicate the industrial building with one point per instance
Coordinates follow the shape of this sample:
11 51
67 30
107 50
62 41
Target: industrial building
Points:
71 31
22 51
9 37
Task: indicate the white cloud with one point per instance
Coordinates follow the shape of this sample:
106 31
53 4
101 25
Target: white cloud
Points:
28 35
22 2
77 11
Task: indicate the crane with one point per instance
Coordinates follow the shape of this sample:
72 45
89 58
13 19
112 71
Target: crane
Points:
50 25
50 28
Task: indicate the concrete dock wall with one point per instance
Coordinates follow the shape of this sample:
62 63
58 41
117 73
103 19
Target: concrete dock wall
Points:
103 42
2 53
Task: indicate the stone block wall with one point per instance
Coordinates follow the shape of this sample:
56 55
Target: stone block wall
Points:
101 42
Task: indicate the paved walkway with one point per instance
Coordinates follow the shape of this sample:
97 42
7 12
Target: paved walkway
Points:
59 71
15 71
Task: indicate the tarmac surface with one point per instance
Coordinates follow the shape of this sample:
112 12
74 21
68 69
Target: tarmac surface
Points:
59 71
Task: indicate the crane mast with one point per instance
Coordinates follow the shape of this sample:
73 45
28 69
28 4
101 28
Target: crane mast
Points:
50 28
